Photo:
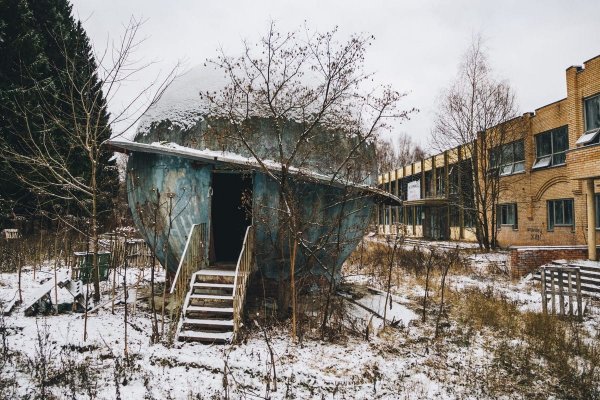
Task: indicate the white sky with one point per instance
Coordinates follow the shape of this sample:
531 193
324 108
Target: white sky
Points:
418 44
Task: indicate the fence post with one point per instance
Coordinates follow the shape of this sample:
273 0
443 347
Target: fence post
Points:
544 294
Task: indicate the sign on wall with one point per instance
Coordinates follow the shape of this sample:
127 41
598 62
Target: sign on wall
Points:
413 191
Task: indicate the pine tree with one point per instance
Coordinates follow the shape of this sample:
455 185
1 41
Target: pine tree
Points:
23 65
66 83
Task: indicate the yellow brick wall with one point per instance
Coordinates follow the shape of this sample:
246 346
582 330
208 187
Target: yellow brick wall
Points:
532 189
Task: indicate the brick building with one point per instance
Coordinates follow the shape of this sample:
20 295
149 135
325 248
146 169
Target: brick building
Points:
549 179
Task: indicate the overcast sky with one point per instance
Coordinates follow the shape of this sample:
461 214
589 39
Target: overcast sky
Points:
418 44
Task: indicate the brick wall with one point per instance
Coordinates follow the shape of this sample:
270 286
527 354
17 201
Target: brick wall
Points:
523 260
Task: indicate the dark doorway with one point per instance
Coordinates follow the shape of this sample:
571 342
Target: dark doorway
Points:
230 216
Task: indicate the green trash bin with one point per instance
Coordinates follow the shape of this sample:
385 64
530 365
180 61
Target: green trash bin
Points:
84 262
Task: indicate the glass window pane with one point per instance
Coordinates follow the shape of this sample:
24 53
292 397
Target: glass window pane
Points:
559 158
506 170
559 216
568 217
550 206
510 215
543 145
542 162
520 166
519 150
560 140
507 154
592 113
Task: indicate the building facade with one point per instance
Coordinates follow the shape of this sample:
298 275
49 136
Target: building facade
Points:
549 179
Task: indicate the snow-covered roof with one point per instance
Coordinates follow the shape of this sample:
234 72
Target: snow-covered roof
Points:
182 103
239 161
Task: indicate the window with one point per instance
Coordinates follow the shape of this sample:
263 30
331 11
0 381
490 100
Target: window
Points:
454 215
597 211
551 147
429 184
508 158
591 109
410 216
507 215
453 178
440 177
418 215
469 218
560 213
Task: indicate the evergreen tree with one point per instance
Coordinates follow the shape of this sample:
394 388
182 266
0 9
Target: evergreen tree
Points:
23 65
65 98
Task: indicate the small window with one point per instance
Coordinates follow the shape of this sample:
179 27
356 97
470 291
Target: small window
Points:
507 215
508 158
551 147
560 213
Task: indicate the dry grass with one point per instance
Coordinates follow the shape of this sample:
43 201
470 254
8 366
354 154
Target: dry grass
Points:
535 355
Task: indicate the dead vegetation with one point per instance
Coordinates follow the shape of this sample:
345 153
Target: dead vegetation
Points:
531 355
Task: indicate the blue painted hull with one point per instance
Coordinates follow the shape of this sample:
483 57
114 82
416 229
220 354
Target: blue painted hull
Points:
168 194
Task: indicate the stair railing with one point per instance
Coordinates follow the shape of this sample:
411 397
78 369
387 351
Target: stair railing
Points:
192 260
243 270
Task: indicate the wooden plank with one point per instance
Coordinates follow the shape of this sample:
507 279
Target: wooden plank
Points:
561 296
553 292
544 293
570 283
579 304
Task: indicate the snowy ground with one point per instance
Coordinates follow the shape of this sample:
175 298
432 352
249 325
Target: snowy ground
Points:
403 362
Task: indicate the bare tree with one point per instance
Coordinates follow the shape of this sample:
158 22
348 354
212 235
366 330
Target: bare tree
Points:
77 121
305 84
479 113
396 152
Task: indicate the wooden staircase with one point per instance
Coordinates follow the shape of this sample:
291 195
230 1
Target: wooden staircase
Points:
207 313
212 310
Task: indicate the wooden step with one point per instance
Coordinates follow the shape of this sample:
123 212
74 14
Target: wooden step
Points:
215 272
224 310
203 321
216 276
208 337
211 297
212 285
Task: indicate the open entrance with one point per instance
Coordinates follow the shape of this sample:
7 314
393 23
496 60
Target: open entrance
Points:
230 214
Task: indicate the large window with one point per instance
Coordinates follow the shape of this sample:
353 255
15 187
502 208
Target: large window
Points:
591 109
507 215
551 147
560 213
508 158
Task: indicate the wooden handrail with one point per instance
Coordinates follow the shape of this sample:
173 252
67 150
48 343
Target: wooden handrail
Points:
192 260
245 266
